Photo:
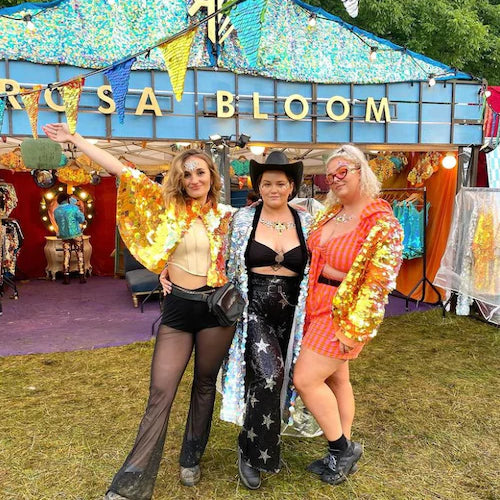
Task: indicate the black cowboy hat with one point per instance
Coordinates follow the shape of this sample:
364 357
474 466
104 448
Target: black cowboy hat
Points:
277 160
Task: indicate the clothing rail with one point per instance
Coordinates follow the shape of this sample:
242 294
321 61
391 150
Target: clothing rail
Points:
423 281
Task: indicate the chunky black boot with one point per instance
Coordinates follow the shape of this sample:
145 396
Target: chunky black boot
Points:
66 279
319 466
250 476
341 465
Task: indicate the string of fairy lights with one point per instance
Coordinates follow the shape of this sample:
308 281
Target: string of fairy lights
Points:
373 48
223 10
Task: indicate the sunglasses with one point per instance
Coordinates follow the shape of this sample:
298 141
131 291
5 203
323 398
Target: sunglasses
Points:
339 174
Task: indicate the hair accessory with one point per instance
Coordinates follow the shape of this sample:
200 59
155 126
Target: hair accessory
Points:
190 164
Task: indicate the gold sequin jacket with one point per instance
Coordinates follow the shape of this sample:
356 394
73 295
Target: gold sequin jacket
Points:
152 231
358 306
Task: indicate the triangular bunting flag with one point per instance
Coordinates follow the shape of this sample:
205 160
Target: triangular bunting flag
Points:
31 105
2 110
118 76
176 55
247 21
70 94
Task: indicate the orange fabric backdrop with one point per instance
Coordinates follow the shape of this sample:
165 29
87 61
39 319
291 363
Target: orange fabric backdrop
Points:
441 189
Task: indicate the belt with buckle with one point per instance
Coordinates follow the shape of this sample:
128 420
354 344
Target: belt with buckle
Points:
326 281
196 296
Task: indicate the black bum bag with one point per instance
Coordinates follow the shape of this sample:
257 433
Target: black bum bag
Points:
225 302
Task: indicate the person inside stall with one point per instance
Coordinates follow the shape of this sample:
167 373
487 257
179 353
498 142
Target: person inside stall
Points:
356 248
181 227
69 219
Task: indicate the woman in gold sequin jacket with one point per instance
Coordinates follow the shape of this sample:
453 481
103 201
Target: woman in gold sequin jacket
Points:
355 247
180 225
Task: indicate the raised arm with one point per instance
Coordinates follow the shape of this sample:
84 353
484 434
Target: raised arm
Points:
59 132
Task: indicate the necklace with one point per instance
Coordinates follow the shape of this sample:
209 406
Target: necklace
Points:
277 225
342 218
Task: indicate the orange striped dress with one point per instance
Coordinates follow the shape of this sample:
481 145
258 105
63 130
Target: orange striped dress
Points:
339 252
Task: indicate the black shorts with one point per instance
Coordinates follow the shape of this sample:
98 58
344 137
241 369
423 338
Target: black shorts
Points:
187 315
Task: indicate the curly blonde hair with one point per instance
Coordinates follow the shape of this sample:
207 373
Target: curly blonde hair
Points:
173 186
369 184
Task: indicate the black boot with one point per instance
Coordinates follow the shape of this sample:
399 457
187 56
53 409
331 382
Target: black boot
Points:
341 465
319 466
66 279
250 476
82 278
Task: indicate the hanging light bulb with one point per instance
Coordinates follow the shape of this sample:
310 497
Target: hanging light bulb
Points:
312 20
449 161
29 23
257 150
432 80
373 54
487 93
111 2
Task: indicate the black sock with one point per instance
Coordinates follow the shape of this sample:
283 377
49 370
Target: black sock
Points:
338 446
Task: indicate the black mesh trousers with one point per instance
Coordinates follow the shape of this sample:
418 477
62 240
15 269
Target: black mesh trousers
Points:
136 478
270 316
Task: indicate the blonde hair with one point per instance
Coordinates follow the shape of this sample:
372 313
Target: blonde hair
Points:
173 186
369 184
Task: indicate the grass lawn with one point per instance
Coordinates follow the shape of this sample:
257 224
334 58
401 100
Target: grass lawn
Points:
428 415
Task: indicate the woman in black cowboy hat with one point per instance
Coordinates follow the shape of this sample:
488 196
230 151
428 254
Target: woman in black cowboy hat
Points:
268 258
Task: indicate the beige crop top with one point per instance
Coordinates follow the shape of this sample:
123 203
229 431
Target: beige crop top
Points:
193 251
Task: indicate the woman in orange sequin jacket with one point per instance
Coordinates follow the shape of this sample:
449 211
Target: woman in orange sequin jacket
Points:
180 225
356 249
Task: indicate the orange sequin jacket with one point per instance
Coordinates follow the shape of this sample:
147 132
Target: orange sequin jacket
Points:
359 304
152 231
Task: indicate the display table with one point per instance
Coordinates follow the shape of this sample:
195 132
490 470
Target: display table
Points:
54 255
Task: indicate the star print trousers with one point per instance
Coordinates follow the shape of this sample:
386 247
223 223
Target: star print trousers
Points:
186 325
271 307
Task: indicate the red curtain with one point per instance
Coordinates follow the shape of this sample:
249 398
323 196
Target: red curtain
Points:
31 262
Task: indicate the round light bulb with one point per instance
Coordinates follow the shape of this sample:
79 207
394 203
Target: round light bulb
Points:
372 56
487 93
432 81
30 26
312 21
257 150
449 161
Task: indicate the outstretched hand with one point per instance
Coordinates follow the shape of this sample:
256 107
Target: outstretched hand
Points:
58 132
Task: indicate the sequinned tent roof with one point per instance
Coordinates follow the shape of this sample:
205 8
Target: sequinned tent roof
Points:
271 38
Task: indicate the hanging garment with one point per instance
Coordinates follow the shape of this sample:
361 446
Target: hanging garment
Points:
470 265
412 222
8 199
11 242
493 161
